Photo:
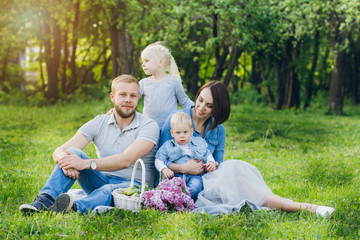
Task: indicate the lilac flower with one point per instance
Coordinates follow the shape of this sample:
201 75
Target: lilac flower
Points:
171 194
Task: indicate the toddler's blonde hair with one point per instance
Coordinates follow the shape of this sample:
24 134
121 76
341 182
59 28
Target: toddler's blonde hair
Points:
163 52
180 118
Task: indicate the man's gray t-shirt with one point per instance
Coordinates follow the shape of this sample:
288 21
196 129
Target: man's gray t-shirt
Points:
161 98
109 140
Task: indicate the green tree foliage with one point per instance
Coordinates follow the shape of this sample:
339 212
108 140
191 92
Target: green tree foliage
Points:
288 50
342 22
13 39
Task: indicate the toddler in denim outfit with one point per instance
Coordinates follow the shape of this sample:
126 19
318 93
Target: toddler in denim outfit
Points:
183 148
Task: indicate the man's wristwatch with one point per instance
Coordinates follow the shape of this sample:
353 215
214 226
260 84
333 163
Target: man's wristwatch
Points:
93 165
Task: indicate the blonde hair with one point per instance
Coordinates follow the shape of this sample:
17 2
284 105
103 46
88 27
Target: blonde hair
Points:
180 118
164 53
123 78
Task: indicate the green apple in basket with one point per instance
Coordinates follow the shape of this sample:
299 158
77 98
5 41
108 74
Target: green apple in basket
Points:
129 191
136 194
134 191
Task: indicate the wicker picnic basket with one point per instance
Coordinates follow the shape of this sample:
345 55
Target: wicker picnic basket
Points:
123 201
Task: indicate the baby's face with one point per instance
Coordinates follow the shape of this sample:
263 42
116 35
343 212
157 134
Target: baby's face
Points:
181 133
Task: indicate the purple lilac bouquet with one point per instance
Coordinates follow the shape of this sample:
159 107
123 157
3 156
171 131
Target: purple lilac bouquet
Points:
171 194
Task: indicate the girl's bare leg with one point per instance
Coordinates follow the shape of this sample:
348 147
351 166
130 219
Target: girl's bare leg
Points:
278 203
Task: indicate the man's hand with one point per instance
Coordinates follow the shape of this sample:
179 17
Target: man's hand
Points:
72 161
71 173
167 173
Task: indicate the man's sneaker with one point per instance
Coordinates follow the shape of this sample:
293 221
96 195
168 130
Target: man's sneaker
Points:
63 204
41 202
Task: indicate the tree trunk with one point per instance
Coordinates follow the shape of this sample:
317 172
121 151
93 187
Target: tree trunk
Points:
292 85
194 74
73 49
235 83
126 47
220 59
122 46
270 96
53 84
255 78
53 54
267 73
235 53
357 67
3 71
354 65
65 62
281 63
310 80
284 76
215 35
43 85
220 63
115 69
292 90
323 74
137 50
280 85
337 86
104 69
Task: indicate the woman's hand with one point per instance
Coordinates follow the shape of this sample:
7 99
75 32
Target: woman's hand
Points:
193 167
110 111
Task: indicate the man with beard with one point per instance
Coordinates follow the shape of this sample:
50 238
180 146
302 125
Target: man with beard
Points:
120 139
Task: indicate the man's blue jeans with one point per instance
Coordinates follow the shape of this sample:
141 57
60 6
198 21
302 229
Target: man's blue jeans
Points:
96 184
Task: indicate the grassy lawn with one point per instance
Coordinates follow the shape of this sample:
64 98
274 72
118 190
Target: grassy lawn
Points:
304 156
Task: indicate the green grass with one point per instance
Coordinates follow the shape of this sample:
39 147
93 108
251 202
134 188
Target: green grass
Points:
304 156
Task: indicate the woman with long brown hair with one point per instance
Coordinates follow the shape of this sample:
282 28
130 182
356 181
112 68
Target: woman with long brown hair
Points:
235 181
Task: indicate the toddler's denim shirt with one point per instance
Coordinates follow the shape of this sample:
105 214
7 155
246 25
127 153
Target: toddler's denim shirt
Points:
170 151
215 138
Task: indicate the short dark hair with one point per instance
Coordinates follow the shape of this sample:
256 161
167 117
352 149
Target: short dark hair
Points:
221 102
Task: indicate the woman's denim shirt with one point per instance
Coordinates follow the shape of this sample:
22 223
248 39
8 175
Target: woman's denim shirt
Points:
214 138
170 151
